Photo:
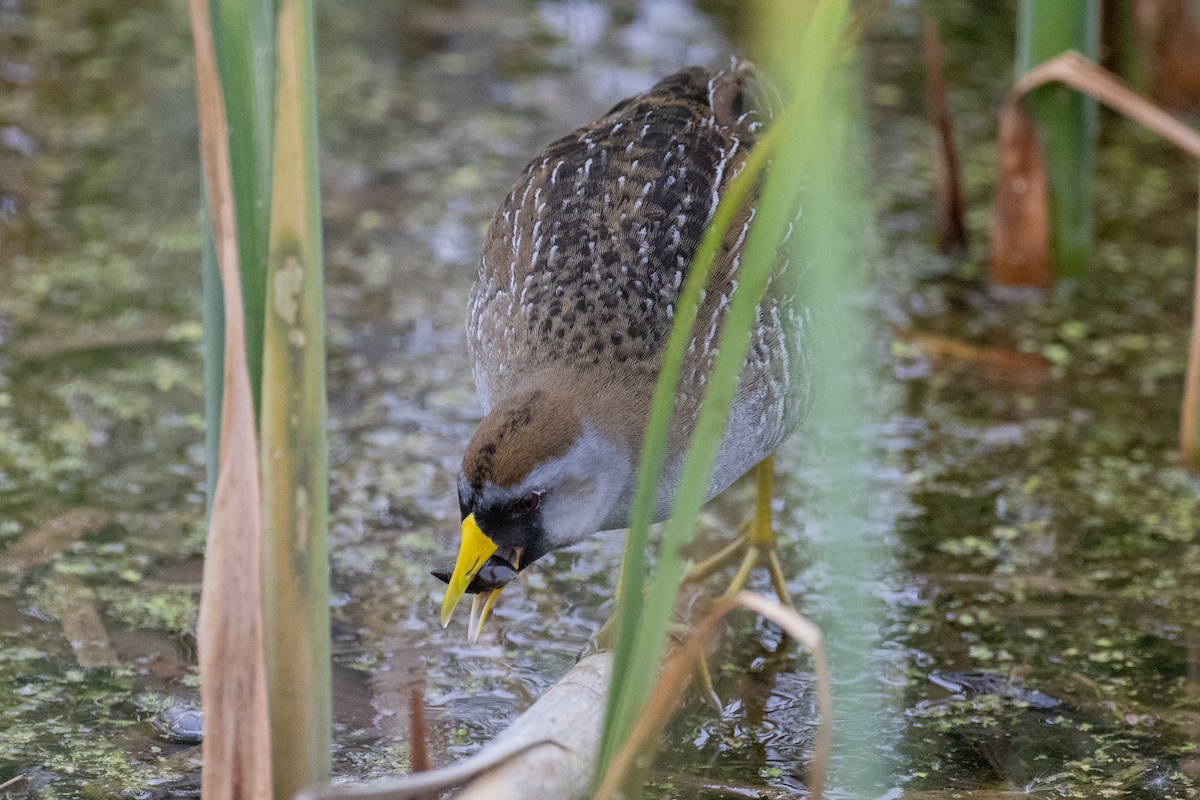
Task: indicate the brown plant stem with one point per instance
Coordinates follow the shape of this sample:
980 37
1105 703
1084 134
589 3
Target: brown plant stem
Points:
1169 39
952 231
1189 427
419 732
1020 232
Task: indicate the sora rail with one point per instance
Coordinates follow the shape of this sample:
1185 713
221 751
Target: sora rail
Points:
567 323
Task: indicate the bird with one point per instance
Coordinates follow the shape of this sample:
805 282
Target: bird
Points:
568 320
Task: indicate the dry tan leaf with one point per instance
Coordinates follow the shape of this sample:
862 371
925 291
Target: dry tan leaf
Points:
233 687
1088 77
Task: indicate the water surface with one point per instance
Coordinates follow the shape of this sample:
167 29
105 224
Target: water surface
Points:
1038 555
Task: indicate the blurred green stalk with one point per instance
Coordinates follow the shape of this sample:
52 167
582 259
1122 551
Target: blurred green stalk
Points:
1067 123
836 235
294 451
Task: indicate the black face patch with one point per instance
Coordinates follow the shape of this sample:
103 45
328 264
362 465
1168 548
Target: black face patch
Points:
510 525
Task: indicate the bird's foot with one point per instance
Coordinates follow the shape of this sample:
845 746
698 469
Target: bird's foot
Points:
755 542
754 548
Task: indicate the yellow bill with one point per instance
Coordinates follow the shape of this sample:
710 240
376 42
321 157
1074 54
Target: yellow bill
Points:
473 553
481 606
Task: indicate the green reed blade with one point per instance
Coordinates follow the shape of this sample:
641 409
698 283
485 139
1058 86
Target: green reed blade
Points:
643 624
244 34
294 450
633 567
837 234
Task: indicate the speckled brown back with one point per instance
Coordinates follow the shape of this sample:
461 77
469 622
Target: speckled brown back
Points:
584 261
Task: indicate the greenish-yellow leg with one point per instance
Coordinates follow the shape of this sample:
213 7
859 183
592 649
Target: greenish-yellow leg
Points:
755 543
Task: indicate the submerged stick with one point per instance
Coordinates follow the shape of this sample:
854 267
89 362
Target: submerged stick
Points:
75 606
56 535
91 338
998 362
547 754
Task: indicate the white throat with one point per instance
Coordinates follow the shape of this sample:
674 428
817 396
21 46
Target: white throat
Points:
585 486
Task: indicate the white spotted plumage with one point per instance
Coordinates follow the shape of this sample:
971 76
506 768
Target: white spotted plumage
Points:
583 265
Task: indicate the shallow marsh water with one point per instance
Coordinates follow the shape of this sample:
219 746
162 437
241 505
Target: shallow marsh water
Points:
1040 555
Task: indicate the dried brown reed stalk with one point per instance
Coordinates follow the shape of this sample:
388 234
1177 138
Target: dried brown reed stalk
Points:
233 689
1020 236
1189 426
418 732
952 231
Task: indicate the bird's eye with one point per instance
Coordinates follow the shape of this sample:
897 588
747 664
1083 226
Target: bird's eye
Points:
529 503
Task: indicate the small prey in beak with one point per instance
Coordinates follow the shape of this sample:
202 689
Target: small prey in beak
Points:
478 570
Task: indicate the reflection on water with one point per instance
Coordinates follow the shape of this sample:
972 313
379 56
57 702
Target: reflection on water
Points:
1040 544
